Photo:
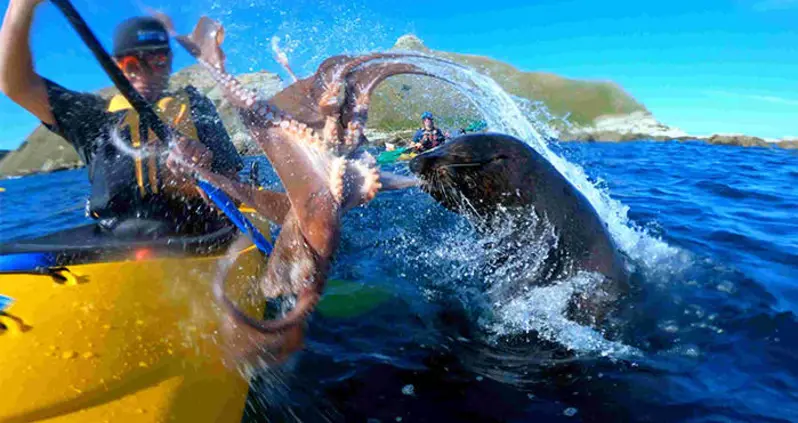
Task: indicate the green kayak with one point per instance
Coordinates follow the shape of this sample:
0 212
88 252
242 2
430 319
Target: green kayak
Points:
346 299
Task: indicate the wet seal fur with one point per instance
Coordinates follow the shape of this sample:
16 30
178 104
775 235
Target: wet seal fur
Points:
485 175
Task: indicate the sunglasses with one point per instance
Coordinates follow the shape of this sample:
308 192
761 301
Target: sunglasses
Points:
134 64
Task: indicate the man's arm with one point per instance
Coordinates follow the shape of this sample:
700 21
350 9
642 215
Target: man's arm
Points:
18 80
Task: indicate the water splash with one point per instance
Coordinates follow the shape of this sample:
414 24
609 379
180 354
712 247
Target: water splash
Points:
543 310
506 293
503 114
493 275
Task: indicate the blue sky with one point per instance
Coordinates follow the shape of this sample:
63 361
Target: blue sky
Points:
703 66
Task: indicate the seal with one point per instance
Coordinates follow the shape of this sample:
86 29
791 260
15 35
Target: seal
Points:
490 177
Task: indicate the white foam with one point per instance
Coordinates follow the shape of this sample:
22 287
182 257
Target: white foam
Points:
543 310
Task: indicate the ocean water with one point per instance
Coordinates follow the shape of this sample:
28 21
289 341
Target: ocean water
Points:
706 335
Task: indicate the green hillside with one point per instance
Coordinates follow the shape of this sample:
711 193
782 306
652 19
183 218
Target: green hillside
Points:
399 101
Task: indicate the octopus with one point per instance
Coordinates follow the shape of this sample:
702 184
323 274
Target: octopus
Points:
311 133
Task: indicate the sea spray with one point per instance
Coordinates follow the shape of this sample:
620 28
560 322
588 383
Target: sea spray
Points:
503 114
509 303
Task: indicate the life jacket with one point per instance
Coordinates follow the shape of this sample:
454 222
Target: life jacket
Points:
431 138
175 110
125 184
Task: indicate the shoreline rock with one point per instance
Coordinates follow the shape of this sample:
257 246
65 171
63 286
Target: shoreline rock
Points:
642 126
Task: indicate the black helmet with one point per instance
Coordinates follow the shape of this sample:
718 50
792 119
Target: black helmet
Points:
140 34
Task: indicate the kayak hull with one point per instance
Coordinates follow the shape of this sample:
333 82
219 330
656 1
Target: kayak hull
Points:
128 340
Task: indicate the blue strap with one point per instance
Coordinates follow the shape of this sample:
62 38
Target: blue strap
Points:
229 208
5 302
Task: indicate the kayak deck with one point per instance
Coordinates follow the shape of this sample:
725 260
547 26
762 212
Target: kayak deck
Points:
128 340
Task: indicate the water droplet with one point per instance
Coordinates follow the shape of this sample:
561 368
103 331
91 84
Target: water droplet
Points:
570 411
66 355
530 396
669 326
408 390
479 378
692 352
726 287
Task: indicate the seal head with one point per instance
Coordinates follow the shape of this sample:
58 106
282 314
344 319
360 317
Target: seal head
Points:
494 178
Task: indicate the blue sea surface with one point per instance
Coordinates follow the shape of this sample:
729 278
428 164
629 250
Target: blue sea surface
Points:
708 333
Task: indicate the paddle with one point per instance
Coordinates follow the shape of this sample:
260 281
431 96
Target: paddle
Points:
148 115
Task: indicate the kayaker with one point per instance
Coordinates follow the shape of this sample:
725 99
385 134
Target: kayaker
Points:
130 193
428 136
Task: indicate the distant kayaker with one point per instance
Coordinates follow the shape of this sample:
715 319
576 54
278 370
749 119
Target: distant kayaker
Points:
130 193
428 136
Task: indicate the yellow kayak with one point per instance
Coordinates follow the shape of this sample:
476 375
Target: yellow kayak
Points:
407 156
393 156
130 339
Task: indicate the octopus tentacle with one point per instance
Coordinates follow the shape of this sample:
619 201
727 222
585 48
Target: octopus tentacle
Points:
309 132
253 340
282 59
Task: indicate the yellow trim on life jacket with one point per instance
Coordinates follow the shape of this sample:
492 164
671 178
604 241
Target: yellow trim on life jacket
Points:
173 109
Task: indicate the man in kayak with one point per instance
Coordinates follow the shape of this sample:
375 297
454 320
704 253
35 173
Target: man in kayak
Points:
131 194
428 136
